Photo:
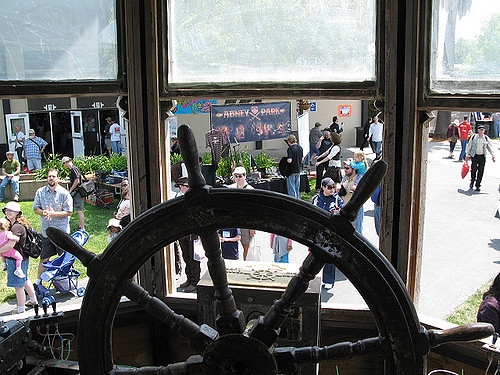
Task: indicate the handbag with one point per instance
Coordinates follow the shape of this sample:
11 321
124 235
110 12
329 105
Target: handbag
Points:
86 187
465 169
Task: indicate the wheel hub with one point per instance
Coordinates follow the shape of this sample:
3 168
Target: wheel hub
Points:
238 354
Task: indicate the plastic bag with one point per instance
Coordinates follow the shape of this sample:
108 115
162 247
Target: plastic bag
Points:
465 169
199 251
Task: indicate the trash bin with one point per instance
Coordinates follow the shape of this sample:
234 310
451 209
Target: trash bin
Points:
359 136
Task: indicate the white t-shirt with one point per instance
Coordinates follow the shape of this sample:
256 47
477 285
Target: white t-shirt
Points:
114 130
19 137
376 131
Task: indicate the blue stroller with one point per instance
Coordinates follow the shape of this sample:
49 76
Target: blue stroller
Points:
60 273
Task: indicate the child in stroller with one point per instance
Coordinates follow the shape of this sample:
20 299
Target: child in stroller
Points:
60 273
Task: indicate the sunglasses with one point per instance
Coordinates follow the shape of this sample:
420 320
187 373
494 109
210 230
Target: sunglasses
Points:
238 175
184 185
347 167
330 186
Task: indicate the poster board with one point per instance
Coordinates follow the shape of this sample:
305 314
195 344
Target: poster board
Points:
253 121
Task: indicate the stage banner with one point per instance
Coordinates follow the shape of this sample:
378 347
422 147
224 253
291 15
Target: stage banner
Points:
252 122
189 107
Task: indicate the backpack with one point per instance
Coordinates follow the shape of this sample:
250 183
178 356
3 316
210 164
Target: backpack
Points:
33 244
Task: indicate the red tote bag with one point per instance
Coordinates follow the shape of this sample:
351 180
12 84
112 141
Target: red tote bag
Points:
465 169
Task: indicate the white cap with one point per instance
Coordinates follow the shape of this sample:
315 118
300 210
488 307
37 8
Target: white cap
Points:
240 170
114 223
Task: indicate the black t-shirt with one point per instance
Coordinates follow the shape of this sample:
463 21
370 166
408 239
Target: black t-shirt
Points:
295 153
74 174
229 249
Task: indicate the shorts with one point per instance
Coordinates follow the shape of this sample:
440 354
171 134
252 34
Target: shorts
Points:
12 280
245 236
108 143
49 249
78 202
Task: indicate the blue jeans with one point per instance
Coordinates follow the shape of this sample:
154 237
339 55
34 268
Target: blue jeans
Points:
5 182
376 216
312 150
116 147
293 185
329 274
377 148
358 222
496 128
463 142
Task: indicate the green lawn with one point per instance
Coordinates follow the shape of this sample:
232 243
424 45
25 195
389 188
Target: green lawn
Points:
466 312
96 220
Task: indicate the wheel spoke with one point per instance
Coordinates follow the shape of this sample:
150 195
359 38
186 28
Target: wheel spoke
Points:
267 328
193 366
289 358
199 336
229 318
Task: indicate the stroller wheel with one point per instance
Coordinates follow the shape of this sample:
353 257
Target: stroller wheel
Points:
80 291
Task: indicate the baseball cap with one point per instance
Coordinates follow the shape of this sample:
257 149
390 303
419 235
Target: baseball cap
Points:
31 131
13 206
240 170
181 181
327 182
65 159
481 127
9 153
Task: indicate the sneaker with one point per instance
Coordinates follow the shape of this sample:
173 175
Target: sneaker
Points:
328 286
471 185
30 303
19 273
15 311
185 284
16 198
478 189
190 289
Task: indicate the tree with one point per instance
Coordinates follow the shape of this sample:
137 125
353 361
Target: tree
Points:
455 8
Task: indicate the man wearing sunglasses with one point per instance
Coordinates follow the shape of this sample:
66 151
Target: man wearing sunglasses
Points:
240 182
348 186
328 200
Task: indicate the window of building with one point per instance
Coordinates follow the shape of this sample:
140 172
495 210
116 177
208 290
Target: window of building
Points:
464 47
59 40
228 42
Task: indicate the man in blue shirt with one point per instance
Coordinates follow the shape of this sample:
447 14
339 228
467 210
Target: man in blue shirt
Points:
33 149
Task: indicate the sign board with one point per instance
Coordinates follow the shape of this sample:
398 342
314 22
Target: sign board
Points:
253 121
344 110
186 107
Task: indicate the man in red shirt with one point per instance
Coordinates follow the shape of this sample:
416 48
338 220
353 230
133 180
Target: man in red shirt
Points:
465 131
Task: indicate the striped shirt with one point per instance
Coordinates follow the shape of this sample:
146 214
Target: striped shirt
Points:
59 200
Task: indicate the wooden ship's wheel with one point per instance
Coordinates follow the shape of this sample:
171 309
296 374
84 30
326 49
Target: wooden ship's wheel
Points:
229 347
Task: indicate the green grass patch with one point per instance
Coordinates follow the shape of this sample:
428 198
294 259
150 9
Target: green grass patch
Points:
96 220
466 312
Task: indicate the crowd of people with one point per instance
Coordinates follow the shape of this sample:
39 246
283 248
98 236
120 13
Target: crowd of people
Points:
55 205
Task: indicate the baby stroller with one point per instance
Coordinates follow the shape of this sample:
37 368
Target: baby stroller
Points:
60 273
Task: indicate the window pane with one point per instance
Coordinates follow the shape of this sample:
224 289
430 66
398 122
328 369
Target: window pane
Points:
271 41
464 46
58 40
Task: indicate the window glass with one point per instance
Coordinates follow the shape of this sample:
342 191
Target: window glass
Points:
58 40
464 46
271 41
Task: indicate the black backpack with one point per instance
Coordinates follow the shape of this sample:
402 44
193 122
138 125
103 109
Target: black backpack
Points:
33 244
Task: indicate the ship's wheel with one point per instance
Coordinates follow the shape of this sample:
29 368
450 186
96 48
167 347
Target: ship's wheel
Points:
230 348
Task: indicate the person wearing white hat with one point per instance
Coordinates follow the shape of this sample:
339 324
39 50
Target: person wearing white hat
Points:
240 182
14 215
33 149
11 169
114 227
